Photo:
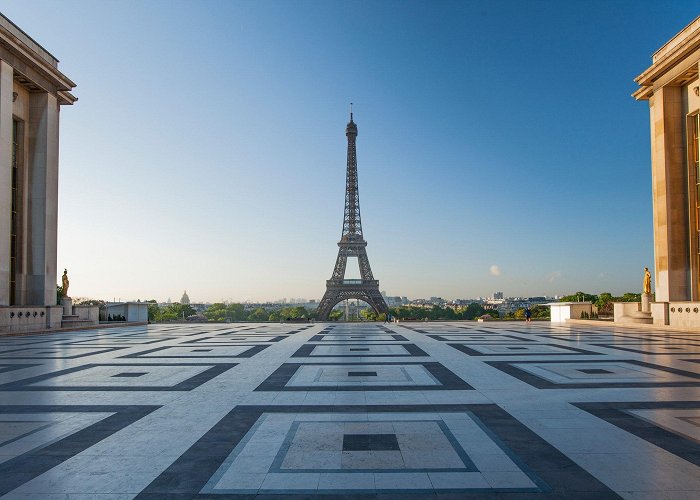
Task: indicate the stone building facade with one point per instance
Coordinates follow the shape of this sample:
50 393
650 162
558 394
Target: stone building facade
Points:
32 91
672 89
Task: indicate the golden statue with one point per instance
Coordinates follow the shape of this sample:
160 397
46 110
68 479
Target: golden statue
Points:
647 280
65 282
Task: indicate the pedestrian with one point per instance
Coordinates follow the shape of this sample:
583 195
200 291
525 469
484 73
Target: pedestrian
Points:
528 314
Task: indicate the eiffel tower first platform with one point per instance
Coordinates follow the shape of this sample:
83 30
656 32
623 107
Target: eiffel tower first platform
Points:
352 244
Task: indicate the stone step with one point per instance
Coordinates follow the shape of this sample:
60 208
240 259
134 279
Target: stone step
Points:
72 322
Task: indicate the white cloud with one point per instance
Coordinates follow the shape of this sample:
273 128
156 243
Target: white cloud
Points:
553 277
495 270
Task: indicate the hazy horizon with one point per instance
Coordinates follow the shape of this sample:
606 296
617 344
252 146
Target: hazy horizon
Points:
499 148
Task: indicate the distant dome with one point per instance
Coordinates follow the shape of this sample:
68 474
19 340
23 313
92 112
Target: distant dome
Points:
185 298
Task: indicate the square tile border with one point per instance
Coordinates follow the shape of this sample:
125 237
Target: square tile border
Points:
497 340
571 351
19 470
634 348
93 351
186 385
306 350
617 414
319 338
546 466
281 376
254 349
540 383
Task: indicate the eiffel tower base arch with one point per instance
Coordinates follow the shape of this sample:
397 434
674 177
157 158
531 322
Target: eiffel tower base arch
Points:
337 294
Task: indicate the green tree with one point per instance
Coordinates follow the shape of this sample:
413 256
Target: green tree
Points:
174 312
579 297
604 304
298 312
85 301
368 314
472 311
274 316
166 314
216 312
225 312
153 310
235 312
540 312
630 297
258 314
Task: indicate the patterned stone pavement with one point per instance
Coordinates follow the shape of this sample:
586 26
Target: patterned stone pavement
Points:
433 410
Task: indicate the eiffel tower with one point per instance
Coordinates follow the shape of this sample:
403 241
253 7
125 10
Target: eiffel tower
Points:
352 244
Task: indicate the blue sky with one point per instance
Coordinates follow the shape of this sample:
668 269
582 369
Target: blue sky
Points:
498 147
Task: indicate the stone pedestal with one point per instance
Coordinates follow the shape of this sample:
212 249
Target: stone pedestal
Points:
67 304
646 302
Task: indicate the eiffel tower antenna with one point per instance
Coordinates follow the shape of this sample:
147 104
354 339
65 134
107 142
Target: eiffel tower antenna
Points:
352 244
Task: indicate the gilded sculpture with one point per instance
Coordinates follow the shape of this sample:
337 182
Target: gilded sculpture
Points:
65 282
647 280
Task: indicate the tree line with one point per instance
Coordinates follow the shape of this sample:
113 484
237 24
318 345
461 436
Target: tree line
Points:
603 301
220 312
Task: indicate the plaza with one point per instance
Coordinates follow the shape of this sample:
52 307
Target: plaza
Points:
493 410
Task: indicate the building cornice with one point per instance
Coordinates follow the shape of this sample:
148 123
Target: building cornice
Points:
668 57
41 64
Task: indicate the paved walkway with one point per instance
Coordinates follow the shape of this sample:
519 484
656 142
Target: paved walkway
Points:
502 410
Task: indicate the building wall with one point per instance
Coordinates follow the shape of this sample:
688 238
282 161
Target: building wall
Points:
670 85
32 89
6 86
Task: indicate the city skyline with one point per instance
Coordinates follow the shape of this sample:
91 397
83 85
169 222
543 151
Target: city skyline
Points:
497 150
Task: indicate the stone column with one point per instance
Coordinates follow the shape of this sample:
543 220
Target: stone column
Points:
670 195
67 304
42 199
6 86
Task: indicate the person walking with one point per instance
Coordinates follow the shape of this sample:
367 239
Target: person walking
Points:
528 314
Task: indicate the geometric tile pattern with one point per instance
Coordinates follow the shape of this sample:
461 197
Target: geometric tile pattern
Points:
420 450
673 426
355 350
503 349
185 351
655 348
122 377
58 352
596 374
357 410
390 376
35 439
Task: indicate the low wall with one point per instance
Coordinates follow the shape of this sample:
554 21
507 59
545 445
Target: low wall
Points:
621 309
561 312
17 319
22 319
87 313
55 317
684 314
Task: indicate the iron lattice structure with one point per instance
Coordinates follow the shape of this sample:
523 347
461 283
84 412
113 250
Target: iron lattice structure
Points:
352 244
